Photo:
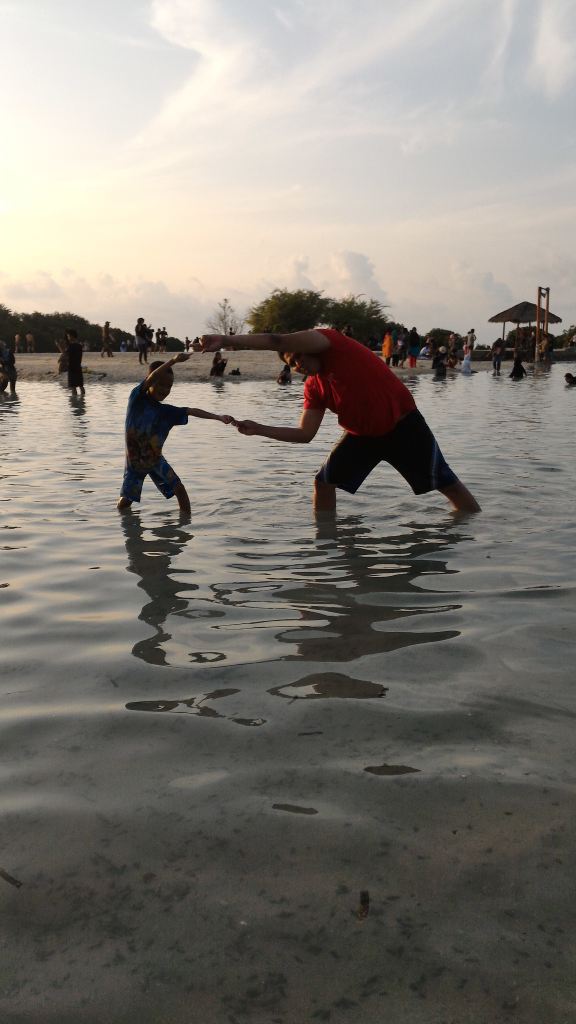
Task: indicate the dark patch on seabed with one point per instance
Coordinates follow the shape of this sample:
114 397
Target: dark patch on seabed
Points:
294 809
330 684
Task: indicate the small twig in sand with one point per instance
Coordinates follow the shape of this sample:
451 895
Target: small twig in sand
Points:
8 878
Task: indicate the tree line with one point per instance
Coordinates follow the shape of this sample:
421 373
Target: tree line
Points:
48 328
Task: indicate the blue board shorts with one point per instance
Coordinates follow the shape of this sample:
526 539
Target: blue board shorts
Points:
410 448
162 475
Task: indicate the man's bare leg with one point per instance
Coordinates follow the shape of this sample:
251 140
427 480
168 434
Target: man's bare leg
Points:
460 498
123 504
324 497
182 496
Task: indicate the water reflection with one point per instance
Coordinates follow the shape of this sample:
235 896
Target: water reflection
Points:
150 557
330 584
333 598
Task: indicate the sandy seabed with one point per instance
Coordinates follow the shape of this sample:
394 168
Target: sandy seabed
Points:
124 367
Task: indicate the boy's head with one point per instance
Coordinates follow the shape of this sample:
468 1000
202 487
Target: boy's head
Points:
162 385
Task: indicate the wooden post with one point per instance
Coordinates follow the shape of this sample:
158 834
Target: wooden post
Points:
516 339
503 338
546 311
538 314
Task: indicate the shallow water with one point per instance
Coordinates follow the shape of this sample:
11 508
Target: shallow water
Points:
211 870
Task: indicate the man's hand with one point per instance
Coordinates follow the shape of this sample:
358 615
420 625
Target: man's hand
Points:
248 427
210 343
181 357
227 419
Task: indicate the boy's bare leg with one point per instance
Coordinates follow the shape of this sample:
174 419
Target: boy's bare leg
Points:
182 496
123 504
324 497
460 498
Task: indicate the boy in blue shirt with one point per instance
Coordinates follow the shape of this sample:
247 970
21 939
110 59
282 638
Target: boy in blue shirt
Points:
148 423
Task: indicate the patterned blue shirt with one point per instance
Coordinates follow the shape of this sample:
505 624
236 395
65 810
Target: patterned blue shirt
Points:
148 424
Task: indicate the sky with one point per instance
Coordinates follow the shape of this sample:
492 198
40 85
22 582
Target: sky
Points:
159 156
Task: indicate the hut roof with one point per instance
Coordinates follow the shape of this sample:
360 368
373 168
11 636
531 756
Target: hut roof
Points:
523 313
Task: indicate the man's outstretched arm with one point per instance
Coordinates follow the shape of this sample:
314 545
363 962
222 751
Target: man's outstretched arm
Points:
303 434
300 341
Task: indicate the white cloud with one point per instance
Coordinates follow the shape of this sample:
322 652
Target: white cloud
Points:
353 272
554 63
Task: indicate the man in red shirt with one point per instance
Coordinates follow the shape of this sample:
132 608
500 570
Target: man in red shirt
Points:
375 409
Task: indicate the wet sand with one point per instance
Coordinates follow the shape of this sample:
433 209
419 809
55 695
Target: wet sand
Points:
124 367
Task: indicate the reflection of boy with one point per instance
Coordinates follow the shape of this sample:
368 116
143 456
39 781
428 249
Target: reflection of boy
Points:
376 410
148 423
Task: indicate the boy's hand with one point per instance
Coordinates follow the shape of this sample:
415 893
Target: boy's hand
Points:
227 419
248 427
181 357
210 343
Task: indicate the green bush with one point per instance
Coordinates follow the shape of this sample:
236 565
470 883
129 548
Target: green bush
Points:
284 312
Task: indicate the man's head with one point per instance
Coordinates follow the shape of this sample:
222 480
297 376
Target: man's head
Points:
306 363
71 334
568 377
162 386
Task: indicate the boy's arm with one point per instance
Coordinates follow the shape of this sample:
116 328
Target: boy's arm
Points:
203 415
300 341
303 434
151 379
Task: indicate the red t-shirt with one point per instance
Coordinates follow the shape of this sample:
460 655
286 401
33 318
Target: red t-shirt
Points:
356 384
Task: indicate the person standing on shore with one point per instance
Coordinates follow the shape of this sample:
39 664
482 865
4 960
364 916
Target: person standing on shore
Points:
395 349
163 340
30 342
414 347
375 409
470 339
62 347
403 348
142 340
75 353
17 343
106 342
387 347
158 340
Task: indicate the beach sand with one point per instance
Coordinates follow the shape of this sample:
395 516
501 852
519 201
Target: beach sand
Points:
124 367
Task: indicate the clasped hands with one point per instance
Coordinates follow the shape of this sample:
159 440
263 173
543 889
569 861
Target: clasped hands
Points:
247 427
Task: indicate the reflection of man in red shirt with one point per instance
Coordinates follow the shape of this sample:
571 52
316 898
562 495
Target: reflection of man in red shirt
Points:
375 409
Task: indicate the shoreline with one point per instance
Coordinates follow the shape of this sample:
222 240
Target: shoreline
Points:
124 367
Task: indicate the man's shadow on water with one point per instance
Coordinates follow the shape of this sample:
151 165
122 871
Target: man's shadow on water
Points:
150 558
387 567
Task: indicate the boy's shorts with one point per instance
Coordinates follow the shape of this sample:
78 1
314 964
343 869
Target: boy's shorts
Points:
410 448
162 475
